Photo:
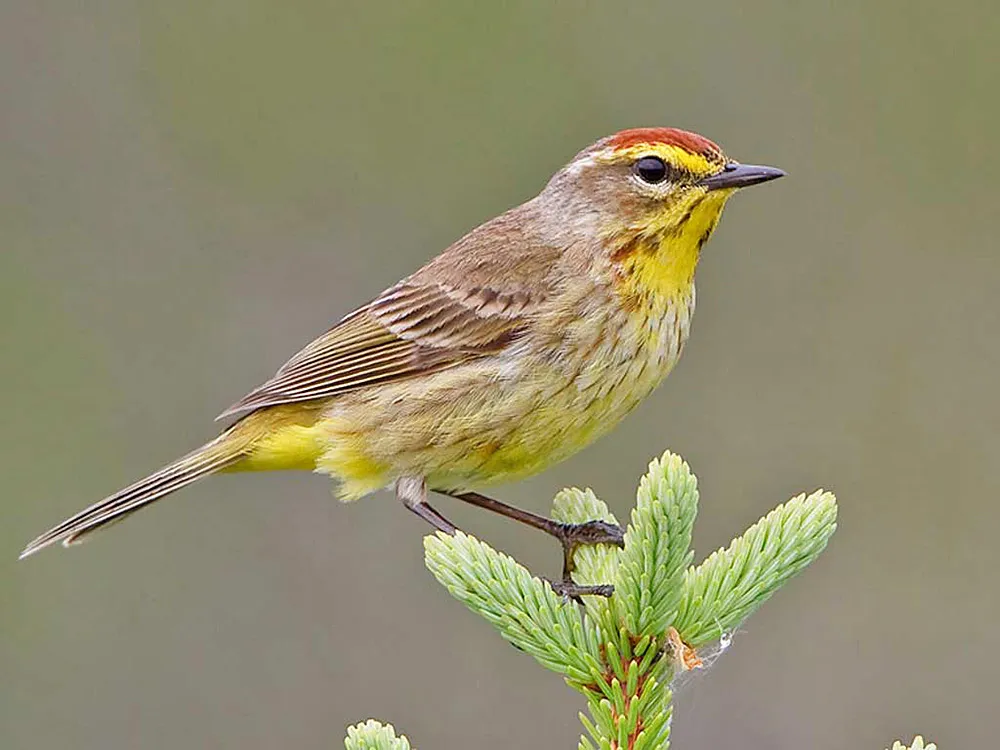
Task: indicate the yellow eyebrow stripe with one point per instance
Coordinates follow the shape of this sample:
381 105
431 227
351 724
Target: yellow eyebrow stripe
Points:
676 156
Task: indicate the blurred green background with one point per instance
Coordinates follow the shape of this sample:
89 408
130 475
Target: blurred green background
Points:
191 190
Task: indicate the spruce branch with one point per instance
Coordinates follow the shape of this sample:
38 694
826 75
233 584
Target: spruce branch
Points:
917 744
623 652
657 548
371 735
732 583
525 609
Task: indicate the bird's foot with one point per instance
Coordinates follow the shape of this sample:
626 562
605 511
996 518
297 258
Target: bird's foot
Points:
572 536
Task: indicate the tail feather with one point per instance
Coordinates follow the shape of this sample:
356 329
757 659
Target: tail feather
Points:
218 454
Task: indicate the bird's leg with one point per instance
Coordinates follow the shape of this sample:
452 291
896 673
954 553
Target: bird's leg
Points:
570 535
412 492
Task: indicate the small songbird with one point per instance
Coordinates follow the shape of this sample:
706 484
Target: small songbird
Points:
523 342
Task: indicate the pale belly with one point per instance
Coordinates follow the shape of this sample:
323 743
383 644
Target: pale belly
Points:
501 418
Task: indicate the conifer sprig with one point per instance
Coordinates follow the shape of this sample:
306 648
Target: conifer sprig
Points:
622 652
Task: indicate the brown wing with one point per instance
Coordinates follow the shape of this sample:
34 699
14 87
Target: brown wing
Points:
470 301
412 328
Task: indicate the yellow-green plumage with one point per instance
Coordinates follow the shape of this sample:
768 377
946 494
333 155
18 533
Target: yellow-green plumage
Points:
585 366
469 426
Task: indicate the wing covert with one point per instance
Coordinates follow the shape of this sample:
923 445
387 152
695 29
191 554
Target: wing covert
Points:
412 328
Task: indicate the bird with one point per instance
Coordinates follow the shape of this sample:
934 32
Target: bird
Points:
520 344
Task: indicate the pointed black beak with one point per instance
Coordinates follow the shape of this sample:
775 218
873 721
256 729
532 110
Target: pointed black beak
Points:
736 175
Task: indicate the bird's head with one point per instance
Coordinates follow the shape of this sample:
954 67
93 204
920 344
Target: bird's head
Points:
652 195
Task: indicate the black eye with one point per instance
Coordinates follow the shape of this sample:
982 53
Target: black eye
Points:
651 169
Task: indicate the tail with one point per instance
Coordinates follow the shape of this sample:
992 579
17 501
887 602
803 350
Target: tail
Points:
223 452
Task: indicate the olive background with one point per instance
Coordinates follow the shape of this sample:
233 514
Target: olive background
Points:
190 191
